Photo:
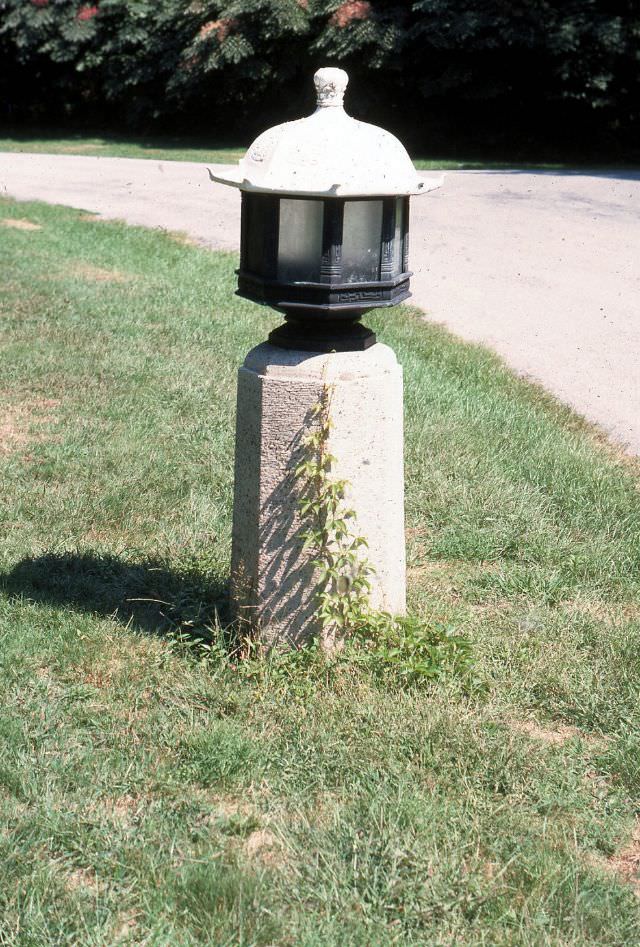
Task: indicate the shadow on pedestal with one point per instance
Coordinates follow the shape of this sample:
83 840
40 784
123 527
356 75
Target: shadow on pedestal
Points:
282 610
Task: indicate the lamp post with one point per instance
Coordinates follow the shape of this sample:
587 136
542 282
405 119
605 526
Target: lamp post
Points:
324 239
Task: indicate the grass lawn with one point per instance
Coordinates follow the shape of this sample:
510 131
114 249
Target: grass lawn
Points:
185 149
164 149
150 796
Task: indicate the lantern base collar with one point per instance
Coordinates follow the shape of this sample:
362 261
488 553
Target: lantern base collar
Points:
328 336
324 300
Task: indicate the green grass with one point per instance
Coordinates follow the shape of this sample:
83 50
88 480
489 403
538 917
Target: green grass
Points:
149 797
188 149
164 149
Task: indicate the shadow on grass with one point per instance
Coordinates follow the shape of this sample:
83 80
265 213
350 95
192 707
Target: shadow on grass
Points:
147 596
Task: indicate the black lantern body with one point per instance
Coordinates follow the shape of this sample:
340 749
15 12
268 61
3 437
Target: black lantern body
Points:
323 262
325 222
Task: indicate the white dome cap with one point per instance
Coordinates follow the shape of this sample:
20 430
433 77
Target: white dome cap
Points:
328 154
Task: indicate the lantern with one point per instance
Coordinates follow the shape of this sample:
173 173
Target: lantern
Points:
325 222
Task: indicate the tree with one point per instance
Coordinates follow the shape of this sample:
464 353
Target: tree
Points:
463 65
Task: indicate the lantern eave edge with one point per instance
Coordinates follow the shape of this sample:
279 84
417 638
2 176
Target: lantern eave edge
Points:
235 178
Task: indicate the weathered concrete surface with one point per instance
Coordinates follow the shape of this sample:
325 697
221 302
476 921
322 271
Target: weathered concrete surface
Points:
273 582
542 267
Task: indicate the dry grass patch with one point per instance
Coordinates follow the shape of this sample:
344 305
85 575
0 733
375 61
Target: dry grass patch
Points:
448 575
48 683
123 809
17 422
618 454
228 807
322 810
552 735
610 612
76 149
19 223
98 274
448 569
183 238
124 929
103 675
81 879
626 863
452 581
264 846
12 435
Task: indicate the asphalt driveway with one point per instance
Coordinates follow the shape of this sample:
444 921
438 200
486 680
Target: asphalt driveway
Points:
542 267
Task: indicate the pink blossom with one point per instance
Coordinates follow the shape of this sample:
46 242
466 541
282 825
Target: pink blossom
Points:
87 13
349 11
221 28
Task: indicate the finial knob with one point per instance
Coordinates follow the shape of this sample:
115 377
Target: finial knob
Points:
330 86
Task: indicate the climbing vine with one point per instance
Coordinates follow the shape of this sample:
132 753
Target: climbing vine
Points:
343 571
408 648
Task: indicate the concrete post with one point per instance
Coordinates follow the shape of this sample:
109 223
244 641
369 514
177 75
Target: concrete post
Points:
272 583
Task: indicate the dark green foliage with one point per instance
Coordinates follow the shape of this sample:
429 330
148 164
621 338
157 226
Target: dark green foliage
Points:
470 69
541 64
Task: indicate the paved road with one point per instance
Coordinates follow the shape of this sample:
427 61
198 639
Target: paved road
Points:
542 267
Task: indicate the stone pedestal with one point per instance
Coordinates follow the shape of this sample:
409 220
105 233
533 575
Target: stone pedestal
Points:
273 587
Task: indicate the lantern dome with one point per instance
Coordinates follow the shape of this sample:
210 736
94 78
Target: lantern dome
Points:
328 154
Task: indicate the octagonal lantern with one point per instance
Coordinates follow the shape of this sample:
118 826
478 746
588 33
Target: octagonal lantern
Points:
325 222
